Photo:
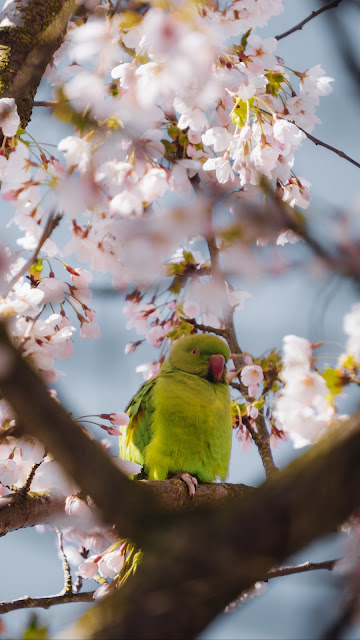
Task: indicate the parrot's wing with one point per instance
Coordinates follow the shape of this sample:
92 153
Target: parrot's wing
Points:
138 431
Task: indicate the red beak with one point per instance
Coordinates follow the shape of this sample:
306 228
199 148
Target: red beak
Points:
216 365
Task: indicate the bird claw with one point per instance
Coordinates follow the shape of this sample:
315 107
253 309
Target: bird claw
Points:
190 481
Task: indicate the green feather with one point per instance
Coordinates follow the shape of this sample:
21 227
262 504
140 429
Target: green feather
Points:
180 421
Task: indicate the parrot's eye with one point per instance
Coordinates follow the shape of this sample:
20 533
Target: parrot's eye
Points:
194 352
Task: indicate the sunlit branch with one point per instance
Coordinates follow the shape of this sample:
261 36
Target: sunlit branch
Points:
45 602
312 15
301 568
68 588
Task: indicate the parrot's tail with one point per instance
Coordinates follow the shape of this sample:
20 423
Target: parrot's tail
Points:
133 555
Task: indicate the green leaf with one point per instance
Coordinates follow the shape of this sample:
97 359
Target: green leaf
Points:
244 39
36 269
334 381
34 631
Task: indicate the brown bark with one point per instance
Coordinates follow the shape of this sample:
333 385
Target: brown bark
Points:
31 32
18 511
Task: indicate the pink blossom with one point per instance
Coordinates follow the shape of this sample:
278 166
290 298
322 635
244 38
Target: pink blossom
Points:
253 390
297 353
252 374
31 449
260 53
156 335
111 563
296 192
315 82
89 568
223 169
77 153
193 118
149 370
238 298
54 290
191 308
253 412
121 418
217 137
130 347
127 467
77 508
8 472
9 119
102 591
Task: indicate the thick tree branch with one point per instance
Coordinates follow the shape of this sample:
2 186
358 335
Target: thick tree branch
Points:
18 511
313 14
30 33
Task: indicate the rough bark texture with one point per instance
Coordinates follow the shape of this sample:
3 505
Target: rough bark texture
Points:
18 511
30 33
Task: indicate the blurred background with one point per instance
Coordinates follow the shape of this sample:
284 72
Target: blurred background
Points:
100 378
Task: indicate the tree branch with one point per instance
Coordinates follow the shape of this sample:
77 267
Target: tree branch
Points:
18 511
35 30
312 15
46 601
316 141
301 568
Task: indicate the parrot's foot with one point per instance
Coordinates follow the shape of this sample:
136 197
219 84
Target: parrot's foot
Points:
190 482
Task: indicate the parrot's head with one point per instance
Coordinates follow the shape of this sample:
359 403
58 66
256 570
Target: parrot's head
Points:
203 355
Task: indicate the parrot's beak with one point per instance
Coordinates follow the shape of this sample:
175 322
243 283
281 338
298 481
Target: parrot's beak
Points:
216 366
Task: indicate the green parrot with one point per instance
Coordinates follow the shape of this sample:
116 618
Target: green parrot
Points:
180 420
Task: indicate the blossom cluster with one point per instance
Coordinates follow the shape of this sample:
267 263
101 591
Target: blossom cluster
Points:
302 407
182 103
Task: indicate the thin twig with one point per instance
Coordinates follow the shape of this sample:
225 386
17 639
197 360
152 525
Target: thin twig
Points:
204 327
316 141
68 588
44 103
338 152
27 484
45 602
313 15
51 224
301 568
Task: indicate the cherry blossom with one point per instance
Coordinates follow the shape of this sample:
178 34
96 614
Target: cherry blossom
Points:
252 375
9 119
